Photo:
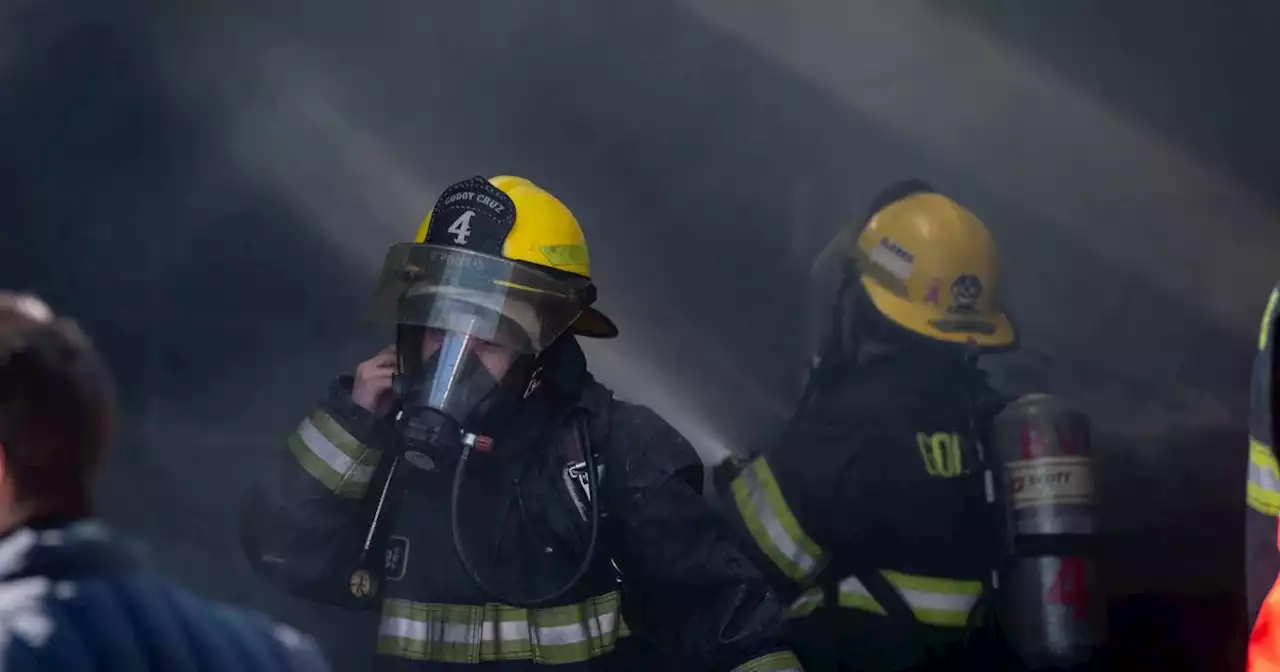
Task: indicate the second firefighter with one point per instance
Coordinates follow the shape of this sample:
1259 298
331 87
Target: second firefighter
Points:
874 513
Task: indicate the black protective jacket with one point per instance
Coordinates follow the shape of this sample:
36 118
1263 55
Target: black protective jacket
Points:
74 599
668 584
871 516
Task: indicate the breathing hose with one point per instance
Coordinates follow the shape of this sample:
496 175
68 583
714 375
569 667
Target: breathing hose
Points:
454 497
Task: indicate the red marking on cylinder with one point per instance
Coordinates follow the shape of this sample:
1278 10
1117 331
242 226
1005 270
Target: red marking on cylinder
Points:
1070 587
1032 442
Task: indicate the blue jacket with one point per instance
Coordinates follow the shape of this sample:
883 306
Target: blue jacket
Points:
74 599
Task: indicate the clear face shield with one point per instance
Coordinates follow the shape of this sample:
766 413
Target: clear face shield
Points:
465 321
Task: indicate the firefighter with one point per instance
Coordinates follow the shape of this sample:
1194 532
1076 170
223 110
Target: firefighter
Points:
73 596
1262 496
872 513
502 507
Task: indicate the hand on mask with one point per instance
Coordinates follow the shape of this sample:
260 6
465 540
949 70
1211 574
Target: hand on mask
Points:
371 389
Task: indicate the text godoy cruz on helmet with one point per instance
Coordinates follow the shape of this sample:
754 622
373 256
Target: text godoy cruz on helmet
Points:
473 214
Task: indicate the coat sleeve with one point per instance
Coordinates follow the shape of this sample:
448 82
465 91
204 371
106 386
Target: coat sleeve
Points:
694 592
1262 489
305 518
779 503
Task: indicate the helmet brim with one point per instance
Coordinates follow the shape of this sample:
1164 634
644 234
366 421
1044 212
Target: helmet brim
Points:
594 324
991 332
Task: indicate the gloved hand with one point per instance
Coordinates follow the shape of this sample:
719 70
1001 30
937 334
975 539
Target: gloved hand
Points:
726 470
371 387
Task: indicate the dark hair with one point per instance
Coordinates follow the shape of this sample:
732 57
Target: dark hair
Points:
57 408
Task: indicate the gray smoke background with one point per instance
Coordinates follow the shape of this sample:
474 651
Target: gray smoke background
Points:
210 188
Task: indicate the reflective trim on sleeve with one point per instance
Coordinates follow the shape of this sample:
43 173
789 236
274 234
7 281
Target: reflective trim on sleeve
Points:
781 661
1263 491
1268 316
457 633
334 457
934 601
772 525
854 595
804 605
945 602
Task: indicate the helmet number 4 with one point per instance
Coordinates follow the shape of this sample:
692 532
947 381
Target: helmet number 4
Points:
461 227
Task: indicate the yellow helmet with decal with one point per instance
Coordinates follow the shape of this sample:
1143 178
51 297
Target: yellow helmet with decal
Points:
929 265
545 232
504 244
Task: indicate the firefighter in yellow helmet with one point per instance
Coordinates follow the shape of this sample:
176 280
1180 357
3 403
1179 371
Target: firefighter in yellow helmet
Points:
871 512
498 504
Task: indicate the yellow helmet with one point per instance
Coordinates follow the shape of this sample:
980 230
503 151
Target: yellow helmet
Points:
545 232
929 265
504 244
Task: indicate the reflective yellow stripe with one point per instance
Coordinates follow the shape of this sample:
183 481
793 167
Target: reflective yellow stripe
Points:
854 595
1263 491
772 525
334 457
935 601
1268 316
782 661
804 605
457 633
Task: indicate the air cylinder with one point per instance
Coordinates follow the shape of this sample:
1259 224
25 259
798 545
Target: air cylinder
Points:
1050 604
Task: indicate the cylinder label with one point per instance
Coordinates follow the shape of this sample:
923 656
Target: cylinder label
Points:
1050 480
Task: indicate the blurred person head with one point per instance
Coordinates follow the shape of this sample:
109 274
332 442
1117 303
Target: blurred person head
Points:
57 413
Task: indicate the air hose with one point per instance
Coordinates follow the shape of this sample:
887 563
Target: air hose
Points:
594 496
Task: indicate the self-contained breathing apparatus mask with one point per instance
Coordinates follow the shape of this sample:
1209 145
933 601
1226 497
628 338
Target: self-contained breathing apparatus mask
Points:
470 327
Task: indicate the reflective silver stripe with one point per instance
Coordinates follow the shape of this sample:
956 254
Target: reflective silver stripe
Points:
772 524
919 599
492 632
447 633
936 601
854 595
506 631
1263 489
332 455
1264 476
573 634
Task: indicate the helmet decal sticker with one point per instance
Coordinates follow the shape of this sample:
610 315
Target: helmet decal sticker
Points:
472 214
965 292
891 256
